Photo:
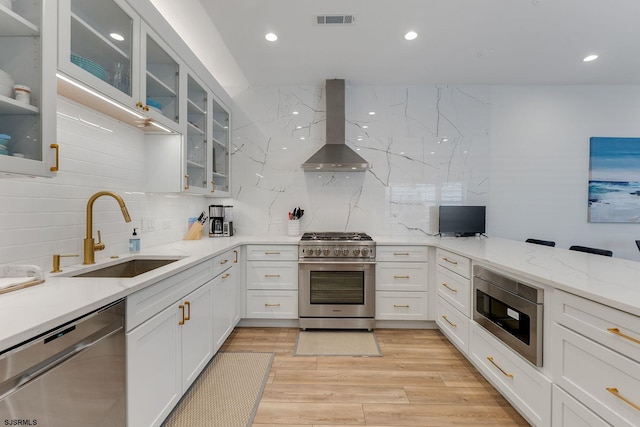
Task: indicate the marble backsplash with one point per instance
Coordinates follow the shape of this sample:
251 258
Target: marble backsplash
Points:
428 145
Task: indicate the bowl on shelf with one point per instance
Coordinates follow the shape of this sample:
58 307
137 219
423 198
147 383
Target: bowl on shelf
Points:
6 84
89 66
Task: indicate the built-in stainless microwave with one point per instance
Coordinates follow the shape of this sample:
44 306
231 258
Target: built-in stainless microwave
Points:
510 310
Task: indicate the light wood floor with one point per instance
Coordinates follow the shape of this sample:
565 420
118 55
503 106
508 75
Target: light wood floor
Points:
421 380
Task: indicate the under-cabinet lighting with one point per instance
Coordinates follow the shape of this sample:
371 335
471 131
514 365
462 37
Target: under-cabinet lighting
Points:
159 126
102 97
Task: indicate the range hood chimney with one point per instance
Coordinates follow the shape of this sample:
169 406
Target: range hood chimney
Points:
335 155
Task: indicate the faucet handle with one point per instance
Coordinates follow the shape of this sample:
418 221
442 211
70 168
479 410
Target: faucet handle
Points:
56 261
99 246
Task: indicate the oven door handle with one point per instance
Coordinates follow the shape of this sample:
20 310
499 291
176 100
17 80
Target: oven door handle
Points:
337 262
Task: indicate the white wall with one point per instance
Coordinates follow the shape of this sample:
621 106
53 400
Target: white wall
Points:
40 217
540 162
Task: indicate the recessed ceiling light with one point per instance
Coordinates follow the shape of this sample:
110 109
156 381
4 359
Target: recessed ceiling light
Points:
116 36
284 148
365 127
590 58
295 113
372 113
411 35
302 138
298 127
271 37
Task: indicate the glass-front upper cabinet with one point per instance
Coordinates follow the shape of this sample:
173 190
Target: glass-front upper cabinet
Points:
220 166
98 42
27 88
197 136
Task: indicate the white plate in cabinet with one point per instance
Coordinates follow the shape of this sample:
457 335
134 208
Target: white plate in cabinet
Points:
568 412
401 305
272 275
610 327
272 252
602 379
519 381
454 262
453 324
272 304
401 253
455 289
401 276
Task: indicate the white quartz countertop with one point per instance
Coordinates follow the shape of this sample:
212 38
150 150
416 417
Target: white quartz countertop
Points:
29 312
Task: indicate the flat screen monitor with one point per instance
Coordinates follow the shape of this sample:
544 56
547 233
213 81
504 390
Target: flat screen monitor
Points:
462 220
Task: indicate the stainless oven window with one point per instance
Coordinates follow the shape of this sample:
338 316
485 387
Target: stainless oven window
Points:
512 320
337 287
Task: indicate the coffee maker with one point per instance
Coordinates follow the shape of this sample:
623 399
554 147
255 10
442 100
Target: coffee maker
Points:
227 221
216 219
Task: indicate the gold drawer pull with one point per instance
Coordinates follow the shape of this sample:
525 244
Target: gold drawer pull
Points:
449 321
401 306
617 394
401 277
401 254
182 310
450 261
617 332
272 305
455 291
271 275
490 359
226 275
186 185
224 261
188 304
272 253
55 168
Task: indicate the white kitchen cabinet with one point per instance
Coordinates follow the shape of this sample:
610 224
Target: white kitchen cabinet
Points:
27 54
402 283
225 306
568 412
454 324
596 354
457 263
520 382
165 355
272 282
455 289
220 179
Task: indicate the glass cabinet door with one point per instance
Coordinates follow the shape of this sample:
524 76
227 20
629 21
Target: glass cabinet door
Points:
102 36
220 161
162 81
196 137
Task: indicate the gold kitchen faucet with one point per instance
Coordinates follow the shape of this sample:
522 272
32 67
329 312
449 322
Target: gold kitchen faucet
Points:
89 243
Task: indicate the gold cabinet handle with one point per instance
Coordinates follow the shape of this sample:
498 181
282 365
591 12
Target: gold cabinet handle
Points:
56 261
449 321
616 331
401 277
139 104
56 147
272 305
213 186
182 310
235 251
226 275
455 291
617 394
271 275
271 253
224 261
188 304
450 261
490 359
401 254
186 176
400 306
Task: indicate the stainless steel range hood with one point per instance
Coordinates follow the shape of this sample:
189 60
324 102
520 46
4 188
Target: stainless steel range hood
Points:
335 155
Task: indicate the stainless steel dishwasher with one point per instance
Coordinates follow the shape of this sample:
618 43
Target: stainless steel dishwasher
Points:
73 375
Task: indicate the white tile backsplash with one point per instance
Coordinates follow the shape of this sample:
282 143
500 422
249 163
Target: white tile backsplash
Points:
41 217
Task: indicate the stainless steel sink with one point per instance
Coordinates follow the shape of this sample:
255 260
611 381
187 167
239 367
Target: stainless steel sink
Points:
128 268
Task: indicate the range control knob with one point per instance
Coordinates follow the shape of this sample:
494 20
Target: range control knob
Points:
318 251
365 251
336 251
345 251
356 251
326 251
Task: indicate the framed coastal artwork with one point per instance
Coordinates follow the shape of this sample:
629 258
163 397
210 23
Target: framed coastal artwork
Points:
614 180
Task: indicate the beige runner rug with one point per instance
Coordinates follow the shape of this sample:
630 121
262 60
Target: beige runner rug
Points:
226 394
337 343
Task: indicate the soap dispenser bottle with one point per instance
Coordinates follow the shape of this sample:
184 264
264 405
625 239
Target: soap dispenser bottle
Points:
134 242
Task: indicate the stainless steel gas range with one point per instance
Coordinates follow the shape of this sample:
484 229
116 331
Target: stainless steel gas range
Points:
336 281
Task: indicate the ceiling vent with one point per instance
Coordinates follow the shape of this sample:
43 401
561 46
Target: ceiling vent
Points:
335 19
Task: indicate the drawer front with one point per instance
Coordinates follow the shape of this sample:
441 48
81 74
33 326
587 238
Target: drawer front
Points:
401 305
568 412
401 276
455 289
223 262
610 327
602 379
454 262
272 252
272 304
147 302
527 389
272 275
453 324
401 253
